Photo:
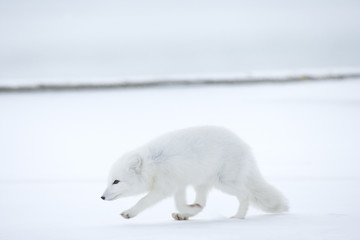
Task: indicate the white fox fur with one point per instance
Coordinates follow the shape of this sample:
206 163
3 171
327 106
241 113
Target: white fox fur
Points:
203 157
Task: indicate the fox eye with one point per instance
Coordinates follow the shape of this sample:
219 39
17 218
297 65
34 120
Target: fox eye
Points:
116 182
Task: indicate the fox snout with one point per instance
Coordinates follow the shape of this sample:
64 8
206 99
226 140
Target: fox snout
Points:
109 195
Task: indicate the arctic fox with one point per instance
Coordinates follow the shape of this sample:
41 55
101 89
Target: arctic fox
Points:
203 157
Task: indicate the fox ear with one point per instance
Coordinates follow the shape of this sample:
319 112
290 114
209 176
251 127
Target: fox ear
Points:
136 164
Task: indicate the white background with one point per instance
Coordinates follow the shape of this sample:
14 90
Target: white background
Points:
56 148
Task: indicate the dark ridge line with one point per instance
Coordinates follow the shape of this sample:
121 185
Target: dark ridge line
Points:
169 83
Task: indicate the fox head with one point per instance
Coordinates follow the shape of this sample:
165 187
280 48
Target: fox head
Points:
125 178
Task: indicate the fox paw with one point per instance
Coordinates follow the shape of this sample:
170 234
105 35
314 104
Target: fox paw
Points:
127 214
180 217
195 205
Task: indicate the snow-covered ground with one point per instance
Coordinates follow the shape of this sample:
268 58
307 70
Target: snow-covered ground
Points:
56 149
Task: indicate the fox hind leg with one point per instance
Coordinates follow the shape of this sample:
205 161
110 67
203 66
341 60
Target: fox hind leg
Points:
244 203
185 210
241 194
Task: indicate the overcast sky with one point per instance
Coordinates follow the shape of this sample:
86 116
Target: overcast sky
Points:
109 39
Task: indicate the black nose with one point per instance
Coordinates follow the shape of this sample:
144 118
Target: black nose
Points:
102 197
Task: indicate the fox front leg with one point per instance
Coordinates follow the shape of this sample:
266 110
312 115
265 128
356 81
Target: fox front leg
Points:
149 200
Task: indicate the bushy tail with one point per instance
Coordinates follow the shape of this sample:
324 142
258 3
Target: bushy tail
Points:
265 196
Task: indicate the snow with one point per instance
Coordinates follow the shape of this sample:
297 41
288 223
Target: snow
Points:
56 149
